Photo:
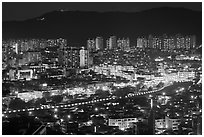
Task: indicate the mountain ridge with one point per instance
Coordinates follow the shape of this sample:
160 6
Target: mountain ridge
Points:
78 26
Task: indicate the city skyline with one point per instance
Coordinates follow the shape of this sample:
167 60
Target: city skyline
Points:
120 66
83 25
94 72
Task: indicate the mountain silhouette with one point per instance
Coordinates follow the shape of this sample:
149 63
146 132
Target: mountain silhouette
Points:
78 26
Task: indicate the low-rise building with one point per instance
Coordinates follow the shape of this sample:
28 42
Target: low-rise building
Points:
25 74
122 123
167 124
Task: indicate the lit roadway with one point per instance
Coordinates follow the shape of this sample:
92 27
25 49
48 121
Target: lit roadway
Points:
83 103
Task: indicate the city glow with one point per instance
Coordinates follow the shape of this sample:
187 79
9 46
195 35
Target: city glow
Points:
110 85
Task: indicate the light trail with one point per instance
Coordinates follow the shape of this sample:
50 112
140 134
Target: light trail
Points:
85 102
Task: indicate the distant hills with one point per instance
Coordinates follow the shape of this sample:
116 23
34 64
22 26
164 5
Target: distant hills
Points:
78 26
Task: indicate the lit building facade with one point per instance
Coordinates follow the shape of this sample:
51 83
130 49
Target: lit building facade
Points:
72 57
157 43
123 43
122 123
142 43
99 43
25 74
112 42
91 44
167 123
83 58
167 42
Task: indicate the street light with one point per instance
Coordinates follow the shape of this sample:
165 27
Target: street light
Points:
68 116
96 109
44 84
55 116
55 109
163 93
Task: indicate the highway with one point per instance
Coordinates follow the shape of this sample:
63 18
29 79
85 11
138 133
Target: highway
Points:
84 103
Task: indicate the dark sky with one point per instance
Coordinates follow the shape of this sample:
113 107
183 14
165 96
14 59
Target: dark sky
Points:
26 10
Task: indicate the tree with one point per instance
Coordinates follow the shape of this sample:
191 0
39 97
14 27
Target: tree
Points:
17 103
123 92
46 95
102 94
57 98
98 120
150 89
161 84
39 102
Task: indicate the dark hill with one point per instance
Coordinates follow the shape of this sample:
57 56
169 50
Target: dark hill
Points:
78 26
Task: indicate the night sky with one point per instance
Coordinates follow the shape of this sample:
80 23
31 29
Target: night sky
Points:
26 10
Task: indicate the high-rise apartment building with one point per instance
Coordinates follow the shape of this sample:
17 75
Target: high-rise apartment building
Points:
142 43
112 42
99 43
83 58
182 40
33 57
150 41
123 43
157 43
193 41
168 43
72 57
139 43
187 42
91 44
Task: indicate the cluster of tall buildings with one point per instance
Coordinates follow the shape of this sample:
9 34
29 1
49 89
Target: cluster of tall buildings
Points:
53 52
111 43
95 44
163 42
75 57
167 43
56 52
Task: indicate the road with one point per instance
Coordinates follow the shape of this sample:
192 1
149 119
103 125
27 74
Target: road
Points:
84 103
